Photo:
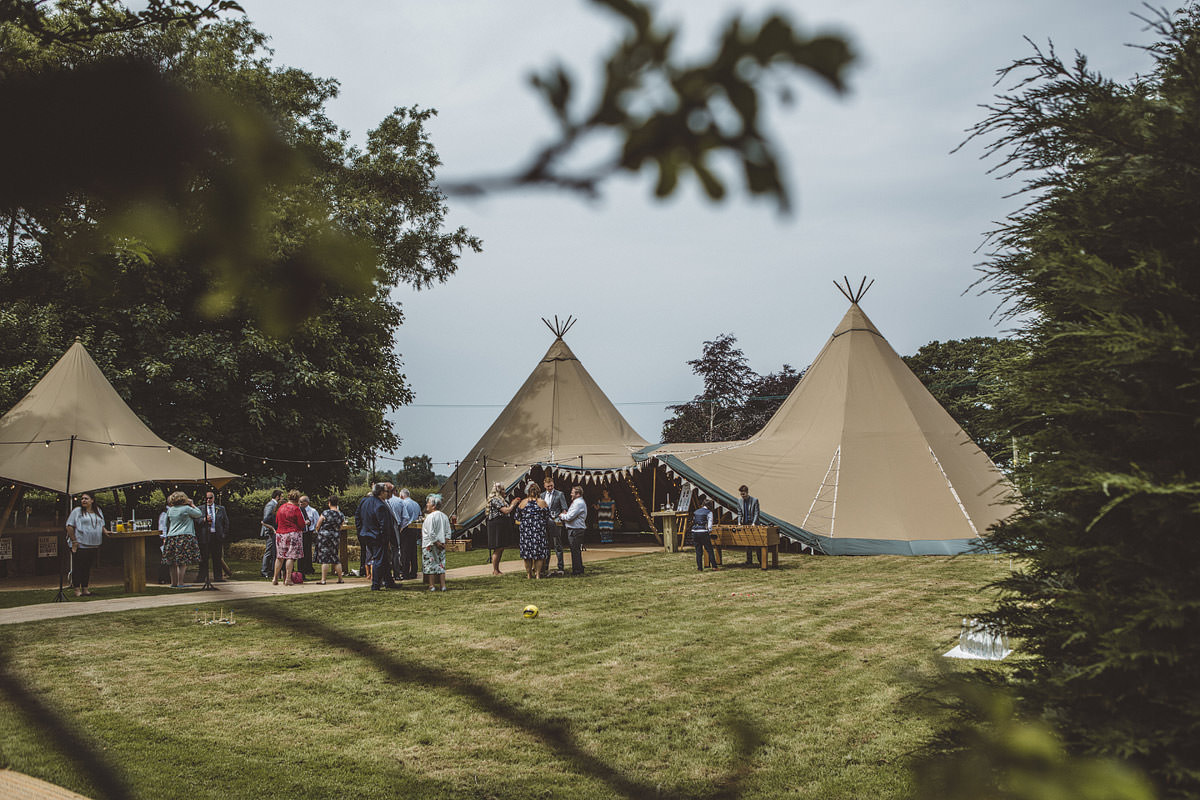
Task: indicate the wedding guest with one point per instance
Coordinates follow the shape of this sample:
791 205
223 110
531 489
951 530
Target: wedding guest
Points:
533 514
329 532
181 547
499 524
702 523
289 537
606 515
85 534
435 532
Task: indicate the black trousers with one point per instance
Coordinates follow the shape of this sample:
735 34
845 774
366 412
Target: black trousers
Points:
306 562
210 550
703 542
408 554
81 566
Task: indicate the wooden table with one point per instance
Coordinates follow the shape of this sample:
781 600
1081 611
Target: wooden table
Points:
764 538
134 558
674 524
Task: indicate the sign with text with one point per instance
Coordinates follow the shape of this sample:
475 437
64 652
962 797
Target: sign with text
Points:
47 546
6 549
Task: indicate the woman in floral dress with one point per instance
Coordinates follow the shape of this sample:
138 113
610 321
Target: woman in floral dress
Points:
435 531
534 516
329 532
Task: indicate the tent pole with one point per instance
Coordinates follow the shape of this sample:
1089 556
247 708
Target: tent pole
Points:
61 575
208 587
487 493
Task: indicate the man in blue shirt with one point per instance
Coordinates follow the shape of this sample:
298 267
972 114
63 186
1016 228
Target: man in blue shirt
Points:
396 506
408 538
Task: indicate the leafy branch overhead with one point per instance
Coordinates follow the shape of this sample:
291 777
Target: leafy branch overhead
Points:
672 116
94 18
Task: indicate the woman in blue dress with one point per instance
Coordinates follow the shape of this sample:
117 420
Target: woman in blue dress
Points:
534 516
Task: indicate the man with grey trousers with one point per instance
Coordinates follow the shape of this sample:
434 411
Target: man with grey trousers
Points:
575 518
558 504
268 533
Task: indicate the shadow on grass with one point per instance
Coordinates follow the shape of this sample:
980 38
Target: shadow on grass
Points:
556 736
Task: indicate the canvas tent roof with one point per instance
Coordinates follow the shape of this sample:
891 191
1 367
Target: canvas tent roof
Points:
860 458
74 399
559 416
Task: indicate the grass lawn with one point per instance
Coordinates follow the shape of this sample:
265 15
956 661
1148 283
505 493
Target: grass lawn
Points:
641 679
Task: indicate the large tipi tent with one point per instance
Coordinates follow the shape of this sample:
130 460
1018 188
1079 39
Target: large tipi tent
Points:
558 418
860 458
74 433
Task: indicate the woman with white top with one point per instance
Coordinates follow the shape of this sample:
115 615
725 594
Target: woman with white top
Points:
435 531
85 533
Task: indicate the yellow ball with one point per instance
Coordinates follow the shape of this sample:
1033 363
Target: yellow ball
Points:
530 612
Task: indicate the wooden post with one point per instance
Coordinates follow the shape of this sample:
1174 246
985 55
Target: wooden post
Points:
135 564
12 502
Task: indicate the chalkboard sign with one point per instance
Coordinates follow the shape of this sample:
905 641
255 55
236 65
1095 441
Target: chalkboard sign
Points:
685 499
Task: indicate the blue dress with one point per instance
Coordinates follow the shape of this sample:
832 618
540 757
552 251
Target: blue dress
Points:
532 542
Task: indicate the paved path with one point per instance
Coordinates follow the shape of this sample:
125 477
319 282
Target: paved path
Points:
231 591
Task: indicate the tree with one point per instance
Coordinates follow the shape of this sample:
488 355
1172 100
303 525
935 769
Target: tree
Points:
736 401
418 471
963 374
1099 270
201 364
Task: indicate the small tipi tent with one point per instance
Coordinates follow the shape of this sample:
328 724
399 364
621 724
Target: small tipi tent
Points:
559 417
74 433
860 458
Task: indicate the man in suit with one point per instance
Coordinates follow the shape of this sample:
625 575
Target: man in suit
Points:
211 531
311 516
554 533
410 513
268 532
747 515
376 526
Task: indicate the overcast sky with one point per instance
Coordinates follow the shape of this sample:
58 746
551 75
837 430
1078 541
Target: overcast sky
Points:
878 191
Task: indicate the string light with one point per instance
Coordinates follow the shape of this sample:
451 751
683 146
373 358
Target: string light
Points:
47 443
168 448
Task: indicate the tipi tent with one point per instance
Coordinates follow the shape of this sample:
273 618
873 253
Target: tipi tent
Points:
558 418
860 458
73 432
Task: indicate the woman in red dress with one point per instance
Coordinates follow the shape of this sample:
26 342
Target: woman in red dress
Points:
289 537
